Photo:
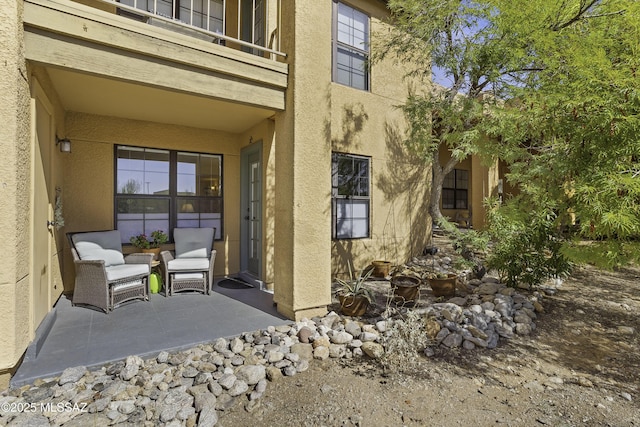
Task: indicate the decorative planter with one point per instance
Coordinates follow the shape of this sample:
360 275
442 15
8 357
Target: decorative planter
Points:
381 268
353 306
444 287
154 251
155 283
405 288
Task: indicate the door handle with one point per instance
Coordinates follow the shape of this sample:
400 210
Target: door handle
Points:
247 217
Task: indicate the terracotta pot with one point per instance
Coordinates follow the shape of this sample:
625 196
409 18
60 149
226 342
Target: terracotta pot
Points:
353 306
444 287
154 251
405 288
381 268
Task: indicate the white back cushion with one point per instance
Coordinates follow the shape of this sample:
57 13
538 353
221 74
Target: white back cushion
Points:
99 245
193 242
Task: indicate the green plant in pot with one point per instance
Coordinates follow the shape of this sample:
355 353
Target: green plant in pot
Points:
150 245
352 293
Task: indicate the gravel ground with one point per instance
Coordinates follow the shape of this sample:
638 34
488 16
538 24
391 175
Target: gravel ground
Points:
581 367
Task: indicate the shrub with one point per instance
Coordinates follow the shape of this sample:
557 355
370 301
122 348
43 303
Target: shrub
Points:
403 342
527 246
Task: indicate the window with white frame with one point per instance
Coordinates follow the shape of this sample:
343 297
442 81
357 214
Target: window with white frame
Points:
350 46
351 203
455 188
163 189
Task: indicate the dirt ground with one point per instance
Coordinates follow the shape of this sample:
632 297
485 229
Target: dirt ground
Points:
580 367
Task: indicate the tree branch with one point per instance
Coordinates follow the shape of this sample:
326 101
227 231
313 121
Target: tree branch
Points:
579 15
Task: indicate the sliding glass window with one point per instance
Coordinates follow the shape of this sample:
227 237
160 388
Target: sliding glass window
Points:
163 189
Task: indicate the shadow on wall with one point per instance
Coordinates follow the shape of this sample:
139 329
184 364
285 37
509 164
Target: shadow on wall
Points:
405 183
354 119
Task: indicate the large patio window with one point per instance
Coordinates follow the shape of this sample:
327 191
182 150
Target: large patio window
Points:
163 189
350 46
350 196
455 190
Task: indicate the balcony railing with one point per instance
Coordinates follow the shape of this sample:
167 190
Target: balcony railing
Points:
206 20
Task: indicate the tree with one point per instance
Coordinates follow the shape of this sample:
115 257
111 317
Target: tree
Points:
460 41
572 132
553 84
130 187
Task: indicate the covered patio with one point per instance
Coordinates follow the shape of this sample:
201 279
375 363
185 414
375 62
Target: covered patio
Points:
77 336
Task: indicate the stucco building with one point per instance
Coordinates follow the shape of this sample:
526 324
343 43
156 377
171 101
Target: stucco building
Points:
257 117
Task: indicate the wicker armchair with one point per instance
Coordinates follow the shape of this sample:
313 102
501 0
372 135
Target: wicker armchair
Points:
191 269
104 277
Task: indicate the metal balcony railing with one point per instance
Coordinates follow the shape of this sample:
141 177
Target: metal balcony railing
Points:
206 20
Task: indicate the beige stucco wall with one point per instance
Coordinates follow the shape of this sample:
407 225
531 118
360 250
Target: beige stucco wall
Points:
14 190
370 124
302 176
322 117
19 89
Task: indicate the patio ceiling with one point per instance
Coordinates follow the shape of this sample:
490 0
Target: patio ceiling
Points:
85 93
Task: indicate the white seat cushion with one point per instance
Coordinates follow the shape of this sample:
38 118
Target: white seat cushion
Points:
99 245
188 264
188 276
117 272
123 286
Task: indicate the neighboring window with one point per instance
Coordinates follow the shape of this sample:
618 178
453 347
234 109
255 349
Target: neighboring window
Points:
455 190
350 196
163 189
350 46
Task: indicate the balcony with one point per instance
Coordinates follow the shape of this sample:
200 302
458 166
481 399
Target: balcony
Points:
210 20
124 59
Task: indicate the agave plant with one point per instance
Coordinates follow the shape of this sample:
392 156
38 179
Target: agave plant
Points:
354 286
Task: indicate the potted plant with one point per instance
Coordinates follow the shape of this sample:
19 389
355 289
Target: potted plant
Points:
381 268
405 288
353 295
152 245
443 285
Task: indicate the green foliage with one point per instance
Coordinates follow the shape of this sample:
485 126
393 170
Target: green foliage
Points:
555 85
141 241
607 254
527 245
354 286
465 242
570 131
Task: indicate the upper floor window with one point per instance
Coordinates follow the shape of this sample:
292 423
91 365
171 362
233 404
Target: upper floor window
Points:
163 189
350 196
206 14
350 46
455 190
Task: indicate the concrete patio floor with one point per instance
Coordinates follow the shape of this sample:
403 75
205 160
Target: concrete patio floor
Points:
77 336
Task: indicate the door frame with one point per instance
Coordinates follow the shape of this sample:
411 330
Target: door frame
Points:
254 148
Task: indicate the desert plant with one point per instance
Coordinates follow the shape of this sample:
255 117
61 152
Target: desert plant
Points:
404 341
354 286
